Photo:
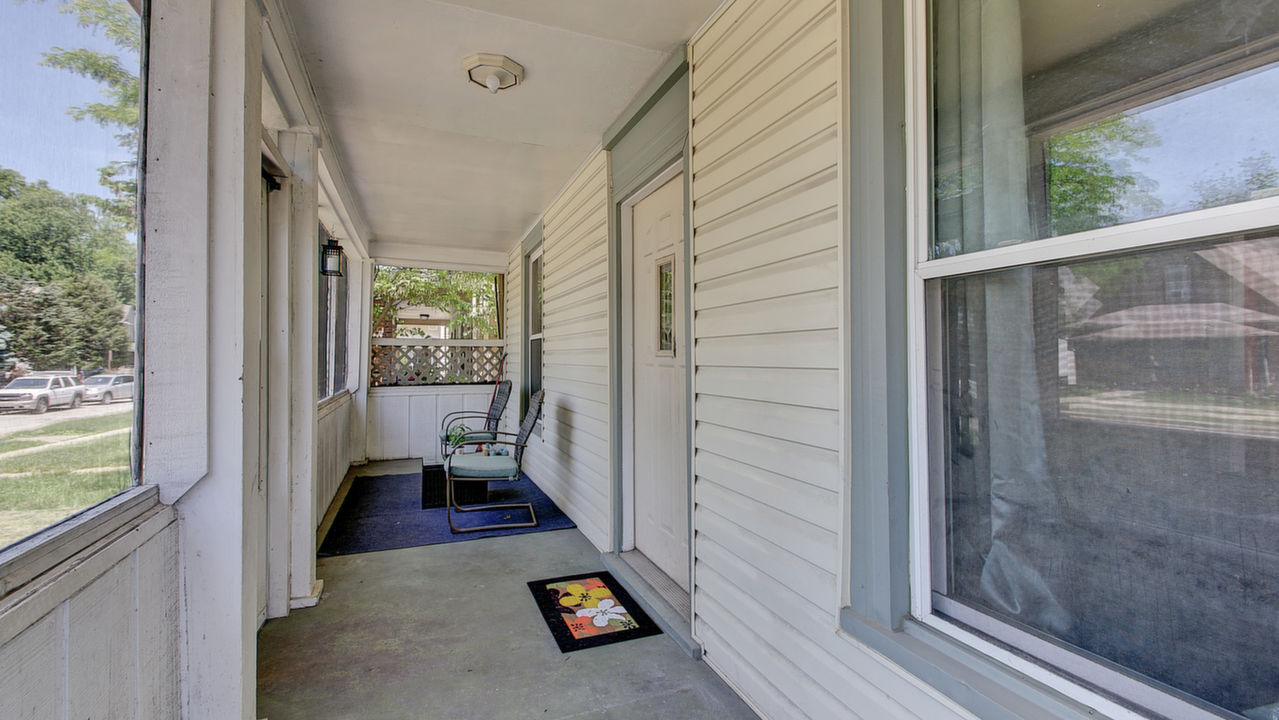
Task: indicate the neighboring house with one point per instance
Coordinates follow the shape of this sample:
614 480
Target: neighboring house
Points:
786 274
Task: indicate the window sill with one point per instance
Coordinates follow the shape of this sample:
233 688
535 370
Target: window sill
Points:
31 558
327 405
977 683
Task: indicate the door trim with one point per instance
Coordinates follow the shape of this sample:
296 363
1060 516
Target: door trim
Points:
626 411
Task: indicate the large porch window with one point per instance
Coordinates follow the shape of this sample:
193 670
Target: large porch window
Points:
1098 327
436 327
332 332
69 149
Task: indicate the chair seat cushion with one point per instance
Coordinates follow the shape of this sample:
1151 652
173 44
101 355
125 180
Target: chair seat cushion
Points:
473 436
475 465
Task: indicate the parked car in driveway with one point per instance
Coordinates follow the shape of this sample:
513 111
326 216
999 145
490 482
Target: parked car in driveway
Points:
107 388
38 393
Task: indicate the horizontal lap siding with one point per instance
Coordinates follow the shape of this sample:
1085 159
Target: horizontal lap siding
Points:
513 319
767 326
571 459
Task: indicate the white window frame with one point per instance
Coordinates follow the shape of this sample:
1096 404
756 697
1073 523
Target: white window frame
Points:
1146 234
331 350
534 285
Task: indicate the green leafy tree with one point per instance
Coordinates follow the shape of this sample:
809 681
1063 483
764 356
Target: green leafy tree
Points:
47 235
119 107
70 323
469 297
1090 182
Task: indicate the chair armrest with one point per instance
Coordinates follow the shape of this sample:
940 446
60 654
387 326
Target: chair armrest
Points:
491 442
460 414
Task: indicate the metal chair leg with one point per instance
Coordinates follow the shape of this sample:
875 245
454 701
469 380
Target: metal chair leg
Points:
450 503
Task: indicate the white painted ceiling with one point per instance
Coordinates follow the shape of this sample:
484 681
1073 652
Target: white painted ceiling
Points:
436 162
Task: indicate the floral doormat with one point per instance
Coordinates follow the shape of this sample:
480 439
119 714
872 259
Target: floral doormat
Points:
585 611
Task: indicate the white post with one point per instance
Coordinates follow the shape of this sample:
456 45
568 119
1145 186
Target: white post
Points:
202 198
300 147
279 465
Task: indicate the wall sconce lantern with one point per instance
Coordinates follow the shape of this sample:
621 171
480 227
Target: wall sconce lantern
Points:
492 71
331 258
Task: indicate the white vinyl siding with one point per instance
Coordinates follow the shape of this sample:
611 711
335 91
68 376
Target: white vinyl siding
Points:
767 299
513 333
570 462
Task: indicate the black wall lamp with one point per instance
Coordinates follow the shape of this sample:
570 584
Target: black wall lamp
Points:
331 258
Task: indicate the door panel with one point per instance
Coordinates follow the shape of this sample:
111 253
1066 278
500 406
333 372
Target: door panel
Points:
660 457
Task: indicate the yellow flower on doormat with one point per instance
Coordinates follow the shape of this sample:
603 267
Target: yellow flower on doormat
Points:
587 594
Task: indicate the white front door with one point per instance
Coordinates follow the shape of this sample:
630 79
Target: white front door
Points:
660 456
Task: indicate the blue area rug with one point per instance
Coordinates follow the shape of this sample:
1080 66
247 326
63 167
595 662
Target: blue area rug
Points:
384 512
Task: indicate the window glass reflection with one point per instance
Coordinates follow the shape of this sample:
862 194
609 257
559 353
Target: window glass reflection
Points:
1111 431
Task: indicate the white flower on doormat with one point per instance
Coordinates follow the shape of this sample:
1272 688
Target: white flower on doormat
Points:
607 610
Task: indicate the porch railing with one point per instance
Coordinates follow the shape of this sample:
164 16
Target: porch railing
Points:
427 361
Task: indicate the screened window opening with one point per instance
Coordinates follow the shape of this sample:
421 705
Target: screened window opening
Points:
1103 418
436 327
331 329
534 379
69 149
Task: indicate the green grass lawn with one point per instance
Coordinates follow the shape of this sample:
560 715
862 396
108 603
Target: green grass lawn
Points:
8 444
48 485
110 451
54 490
79 426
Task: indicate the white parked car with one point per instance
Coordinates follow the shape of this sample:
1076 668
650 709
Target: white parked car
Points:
107 388
38 393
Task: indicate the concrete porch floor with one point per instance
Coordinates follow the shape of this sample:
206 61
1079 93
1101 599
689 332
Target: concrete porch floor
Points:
451 632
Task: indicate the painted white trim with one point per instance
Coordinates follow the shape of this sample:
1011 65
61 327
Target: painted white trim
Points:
30 558
1145 695
690 285
437 342
22 609
406 254
331 403
1198 224
843 251
627 411
415 390
918 204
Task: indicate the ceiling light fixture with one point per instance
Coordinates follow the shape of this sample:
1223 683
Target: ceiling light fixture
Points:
493 72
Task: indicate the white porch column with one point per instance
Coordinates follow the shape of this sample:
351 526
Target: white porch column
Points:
201 220
279 487
359 338
300 147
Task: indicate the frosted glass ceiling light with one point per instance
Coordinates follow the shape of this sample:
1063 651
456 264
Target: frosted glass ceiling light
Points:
493 72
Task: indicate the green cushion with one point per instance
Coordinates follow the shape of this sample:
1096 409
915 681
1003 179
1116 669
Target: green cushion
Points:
473 436
475 465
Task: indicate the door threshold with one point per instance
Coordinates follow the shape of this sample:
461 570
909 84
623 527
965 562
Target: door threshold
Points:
657 594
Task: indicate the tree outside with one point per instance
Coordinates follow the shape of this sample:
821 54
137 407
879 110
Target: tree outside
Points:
67 261
468 300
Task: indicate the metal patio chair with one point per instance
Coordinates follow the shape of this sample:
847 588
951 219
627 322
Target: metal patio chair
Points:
477 467
497 405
